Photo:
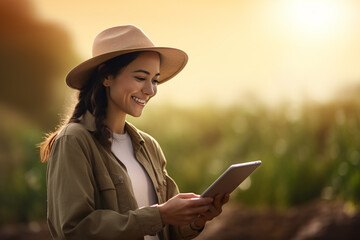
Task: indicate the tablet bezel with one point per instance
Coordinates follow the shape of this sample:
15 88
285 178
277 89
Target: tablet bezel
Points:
231 178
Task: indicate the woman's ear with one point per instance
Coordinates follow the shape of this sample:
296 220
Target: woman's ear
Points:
107 80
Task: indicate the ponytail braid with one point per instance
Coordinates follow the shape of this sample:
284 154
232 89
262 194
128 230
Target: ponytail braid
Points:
92 98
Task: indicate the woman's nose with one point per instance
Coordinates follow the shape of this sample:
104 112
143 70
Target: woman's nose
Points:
149 88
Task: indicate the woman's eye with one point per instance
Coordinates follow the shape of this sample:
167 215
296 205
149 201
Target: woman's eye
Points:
140 78
156 81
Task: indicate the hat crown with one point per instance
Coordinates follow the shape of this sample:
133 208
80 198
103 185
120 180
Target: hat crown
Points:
120 38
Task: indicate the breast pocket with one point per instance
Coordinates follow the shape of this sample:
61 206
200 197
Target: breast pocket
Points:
107 192
124 196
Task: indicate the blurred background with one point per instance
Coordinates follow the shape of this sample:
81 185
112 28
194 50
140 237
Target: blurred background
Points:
272 80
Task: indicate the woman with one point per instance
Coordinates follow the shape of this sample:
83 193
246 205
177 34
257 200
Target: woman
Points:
105 178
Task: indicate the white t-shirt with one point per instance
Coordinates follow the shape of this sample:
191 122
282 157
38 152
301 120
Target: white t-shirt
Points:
140 180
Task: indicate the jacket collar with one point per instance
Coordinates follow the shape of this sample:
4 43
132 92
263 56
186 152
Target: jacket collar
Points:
88 121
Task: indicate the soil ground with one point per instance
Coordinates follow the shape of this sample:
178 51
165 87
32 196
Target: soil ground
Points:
313 221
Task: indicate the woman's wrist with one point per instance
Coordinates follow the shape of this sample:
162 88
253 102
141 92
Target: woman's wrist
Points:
162 214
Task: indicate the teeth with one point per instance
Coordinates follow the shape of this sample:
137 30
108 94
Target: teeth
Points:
139 100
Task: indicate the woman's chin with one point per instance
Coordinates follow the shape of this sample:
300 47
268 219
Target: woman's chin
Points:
137 114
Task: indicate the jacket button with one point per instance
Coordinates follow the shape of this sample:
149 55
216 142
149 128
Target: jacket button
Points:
164 182
121 179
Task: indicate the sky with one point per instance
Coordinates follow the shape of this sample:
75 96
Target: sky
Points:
239 51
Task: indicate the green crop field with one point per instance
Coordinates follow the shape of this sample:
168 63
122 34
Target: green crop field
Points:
308 152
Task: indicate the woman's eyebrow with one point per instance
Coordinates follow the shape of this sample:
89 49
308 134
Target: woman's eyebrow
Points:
146 72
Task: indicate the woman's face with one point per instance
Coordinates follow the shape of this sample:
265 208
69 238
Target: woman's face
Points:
129 91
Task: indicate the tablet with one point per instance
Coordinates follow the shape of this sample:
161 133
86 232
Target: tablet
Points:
231 178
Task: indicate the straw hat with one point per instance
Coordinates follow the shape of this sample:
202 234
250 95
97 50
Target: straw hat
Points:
119 40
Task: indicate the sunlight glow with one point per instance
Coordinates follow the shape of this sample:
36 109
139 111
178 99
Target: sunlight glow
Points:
288 50
313 16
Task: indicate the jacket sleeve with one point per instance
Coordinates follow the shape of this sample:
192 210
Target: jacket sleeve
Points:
176 232
71 206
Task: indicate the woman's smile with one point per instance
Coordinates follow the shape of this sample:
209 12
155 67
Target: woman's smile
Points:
139 101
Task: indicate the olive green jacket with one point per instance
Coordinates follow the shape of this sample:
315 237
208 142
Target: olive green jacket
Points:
90 194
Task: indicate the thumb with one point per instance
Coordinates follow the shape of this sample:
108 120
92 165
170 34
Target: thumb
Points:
188 195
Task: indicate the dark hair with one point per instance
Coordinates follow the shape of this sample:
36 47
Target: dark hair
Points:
92 98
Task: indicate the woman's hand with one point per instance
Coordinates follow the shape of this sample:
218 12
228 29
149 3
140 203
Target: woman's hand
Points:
184 208
214 210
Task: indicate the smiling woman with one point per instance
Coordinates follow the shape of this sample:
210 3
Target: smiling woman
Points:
105 178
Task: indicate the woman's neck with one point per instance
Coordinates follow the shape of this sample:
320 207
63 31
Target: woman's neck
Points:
115 121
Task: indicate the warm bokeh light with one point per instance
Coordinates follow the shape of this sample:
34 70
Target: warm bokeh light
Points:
273 50
312 16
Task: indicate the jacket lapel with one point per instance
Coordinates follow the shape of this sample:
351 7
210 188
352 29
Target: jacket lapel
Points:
144 157
141 153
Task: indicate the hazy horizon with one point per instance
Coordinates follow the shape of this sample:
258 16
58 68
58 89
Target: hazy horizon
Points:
278 51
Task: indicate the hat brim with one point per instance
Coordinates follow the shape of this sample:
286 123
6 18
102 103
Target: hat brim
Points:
172 62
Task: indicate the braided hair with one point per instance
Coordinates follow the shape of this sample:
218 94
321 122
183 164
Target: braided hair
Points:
92 98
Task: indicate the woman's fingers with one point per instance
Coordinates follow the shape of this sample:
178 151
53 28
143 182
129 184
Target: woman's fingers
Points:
194 199
225 198
221 199
201 209
187 195
183 208
217 201
211 213
215 209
